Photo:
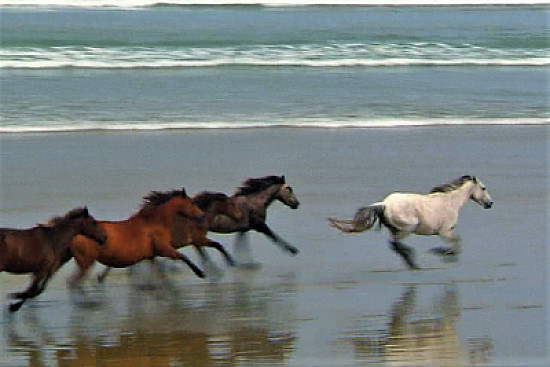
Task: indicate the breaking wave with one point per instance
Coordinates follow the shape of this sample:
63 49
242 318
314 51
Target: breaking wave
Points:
333 55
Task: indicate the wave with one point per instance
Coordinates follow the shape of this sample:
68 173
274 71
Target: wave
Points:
135 4
320 124
332 55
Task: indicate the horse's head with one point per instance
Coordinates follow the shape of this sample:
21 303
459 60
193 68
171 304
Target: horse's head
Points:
88 226
286 196
185 207
480 194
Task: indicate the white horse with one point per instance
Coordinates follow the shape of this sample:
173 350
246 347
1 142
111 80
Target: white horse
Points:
433 214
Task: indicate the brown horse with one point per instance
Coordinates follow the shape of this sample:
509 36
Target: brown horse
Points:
254 198
42 250
144 235
185 232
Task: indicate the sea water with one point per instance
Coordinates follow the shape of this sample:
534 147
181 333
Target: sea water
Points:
172 66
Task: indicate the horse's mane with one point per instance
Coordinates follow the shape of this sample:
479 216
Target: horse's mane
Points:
254 185
452 185
69 216
157 198
204 199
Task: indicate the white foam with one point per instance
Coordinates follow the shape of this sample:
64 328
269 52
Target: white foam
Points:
335 55
146 3
213 125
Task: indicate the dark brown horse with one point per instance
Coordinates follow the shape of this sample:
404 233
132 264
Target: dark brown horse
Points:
212 204
185 232
144 235
253 198
43 249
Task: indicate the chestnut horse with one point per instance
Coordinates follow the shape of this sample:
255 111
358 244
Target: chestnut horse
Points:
145 235
185 232
43 249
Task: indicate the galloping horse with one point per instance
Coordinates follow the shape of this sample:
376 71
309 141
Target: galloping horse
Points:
144 235
253 198
433 214
212 204
185 232
43 249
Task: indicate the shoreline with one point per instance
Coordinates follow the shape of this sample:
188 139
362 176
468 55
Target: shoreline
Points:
105 4
230 126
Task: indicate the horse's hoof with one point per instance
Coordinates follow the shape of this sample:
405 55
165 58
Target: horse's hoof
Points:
437 250
14 307
443 251
293 250
450 258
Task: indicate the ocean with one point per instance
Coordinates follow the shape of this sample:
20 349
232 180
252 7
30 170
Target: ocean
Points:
102 104
166 66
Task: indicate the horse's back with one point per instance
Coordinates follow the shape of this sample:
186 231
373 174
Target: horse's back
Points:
402 201
401 210
24 250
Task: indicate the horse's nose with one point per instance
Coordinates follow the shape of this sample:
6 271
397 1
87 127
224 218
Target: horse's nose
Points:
488 205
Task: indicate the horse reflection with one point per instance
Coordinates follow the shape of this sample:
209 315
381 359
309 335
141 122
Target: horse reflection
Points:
422 342
230 328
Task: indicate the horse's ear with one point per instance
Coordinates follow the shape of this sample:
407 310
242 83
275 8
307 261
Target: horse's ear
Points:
183 192
474 178
283 178
86 212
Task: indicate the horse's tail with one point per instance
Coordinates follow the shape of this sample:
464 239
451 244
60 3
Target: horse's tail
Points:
364 219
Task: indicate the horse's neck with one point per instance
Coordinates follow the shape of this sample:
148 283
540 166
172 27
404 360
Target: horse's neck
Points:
158 214
62 235
460 196
261 200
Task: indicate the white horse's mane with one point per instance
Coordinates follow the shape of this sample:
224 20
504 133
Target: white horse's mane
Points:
453 185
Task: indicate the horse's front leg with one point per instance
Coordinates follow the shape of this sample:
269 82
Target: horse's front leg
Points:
263 228
101 276
453 242
218 246
37 286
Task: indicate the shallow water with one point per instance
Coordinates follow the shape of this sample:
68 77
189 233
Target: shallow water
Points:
345 300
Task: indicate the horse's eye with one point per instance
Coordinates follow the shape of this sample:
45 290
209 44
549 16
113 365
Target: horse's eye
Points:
289 189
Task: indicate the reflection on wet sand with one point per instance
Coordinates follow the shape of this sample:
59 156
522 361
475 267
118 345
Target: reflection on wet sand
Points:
421 341
241 325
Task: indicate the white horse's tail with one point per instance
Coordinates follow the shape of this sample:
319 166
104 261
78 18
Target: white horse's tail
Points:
364 219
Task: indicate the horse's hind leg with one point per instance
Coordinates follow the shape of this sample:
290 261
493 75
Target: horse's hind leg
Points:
166 250
406 252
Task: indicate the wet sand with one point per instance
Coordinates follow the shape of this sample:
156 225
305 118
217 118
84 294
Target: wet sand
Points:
345 300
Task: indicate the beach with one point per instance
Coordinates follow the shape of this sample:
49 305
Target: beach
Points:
102 104
344 300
